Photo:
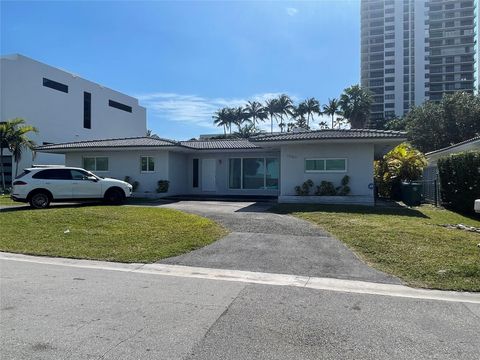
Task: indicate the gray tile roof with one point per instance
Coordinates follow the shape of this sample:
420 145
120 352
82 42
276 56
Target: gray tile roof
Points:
219 144
472 140
330 134
111 143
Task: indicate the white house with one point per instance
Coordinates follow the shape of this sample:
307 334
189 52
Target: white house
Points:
267 164
63 106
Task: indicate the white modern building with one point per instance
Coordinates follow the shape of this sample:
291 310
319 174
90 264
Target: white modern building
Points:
63 107
417 50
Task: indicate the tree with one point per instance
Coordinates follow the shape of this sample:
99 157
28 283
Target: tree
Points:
13 136
397 124
298 114
220 118
403 163
323 125
238 116
355 103
310 107
255 111
332 109
246 131
271 110
433 125
284 108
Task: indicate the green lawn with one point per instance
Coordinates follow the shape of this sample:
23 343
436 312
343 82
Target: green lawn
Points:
408 243
125 234
5 200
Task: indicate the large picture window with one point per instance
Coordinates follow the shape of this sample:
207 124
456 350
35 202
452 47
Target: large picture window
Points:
325 165
253 173
95 163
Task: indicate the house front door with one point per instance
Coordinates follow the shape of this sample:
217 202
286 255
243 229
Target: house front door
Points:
209 174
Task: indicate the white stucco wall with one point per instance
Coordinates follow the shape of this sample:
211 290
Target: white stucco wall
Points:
177 170
127 163
359 166
58 115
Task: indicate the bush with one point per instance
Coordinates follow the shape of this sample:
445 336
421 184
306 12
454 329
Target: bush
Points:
304 189
131 182
163 186
403 163
326 188
460 180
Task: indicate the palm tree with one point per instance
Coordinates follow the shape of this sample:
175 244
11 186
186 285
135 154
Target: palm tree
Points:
323 125
239 116
355 103
332 108
13 136
311 107
271 110
299 113
255 111
284 107
220 118
246 131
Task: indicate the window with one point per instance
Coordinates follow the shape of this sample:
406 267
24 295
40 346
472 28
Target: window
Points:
55 85
147 164
195 173
253 173
79 175
87 110
95 163
325 165
119 106
53 174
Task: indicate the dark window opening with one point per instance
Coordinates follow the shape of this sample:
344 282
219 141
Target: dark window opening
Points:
195 173
119 106
53 174
55 85
87 110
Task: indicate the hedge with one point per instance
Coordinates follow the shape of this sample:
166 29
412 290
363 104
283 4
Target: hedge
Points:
460 180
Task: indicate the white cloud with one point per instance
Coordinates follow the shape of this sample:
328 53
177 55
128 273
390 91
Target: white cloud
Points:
291 11
192 109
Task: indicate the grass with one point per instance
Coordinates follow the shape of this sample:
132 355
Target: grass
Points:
124 234
5 200
408 243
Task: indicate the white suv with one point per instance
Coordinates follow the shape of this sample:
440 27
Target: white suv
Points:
42 185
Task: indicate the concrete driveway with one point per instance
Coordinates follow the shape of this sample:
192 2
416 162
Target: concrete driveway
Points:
266 242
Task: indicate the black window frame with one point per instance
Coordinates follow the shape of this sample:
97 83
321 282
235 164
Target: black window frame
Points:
120 106
87 110
55 85
196 173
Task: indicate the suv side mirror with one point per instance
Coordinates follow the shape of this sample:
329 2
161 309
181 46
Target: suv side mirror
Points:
92 178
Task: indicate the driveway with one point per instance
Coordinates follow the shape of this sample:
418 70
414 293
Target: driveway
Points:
266 242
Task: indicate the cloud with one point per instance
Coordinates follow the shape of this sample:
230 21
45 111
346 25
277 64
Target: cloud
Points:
192 109
291 11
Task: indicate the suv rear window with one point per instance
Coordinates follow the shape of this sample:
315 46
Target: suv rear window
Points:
25 172
54 174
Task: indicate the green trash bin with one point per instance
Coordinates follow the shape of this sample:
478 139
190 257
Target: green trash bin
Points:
412 193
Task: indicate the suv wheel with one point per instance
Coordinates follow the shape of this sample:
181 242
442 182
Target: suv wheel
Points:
39 200
114 196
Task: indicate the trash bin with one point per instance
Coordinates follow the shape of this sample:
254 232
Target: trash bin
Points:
412 193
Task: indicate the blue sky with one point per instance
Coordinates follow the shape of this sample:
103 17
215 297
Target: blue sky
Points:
185 59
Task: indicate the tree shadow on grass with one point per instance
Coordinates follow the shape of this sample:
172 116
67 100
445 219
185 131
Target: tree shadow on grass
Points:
347 209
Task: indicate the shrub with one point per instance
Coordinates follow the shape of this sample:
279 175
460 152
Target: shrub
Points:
131 182
403 163
304 189
326 188
163 186
460 180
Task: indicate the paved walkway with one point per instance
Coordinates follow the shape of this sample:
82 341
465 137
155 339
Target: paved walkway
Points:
266 242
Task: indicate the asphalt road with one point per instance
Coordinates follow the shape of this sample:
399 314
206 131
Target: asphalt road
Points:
62 312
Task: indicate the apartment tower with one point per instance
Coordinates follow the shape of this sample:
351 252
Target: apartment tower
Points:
416 50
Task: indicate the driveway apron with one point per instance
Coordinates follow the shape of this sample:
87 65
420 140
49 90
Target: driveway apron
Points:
266 242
